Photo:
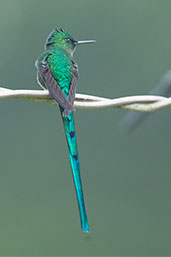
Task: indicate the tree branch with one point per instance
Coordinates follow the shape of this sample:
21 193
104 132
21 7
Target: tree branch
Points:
132 119
142 103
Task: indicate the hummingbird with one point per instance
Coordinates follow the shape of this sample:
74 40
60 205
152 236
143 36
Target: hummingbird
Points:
57 72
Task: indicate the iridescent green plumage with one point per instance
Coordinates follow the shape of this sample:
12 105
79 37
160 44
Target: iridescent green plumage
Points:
69 127
58 72
60 65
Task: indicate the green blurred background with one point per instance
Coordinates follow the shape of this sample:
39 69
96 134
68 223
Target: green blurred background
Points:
127 178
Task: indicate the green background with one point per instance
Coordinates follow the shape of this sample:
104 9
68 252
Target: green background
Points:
127 178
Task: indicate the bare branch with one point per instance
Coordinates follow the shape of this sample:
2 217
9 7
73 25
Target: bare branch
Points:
142 103
132 119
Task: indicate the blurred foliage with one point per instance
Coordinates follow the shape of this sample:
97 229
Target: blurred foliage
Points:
126 178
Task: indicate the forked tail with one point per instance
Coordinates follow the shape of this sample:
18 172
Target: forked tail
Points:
70 134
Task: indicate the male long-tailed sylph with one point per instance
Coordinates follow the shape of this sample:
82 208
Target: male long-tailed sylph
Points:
57 71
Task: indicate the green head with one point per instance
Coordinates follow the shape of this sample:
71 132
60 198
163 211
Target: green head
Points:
62 39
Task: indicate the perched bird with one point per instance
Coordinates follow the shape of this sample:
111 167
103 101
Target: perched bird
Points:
58 73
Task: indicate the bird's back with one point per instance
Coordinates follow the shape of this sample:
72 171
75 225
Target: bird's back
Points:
60 64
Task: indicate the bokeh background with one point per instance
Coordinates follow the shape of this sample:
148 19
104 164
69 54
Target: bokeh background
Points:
126 177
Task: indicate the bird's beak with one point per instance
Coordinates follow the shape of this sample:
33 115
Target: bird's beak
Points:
84 42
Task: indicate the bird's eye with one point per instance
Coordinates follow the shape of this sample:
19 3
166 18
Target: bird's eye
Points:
68 40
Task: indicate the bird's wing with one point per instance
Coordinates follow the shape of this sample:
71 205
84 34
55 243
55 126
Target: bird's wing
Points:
72 90
53 87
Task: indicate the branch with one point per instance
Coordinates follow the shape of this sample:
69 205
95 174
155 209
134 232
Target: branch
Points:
132 119
143 103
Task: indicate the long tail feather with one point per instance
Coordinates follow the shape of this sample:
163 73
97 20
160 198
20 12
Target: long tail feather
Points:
70 134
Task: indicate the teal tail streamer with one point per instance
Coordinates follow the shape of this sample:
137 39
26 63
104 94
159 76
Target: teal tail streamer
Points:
70 134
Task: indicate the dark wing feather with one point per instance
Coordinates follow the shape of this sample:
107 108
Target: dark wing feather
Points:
53 88
72 91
